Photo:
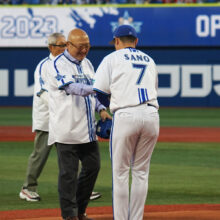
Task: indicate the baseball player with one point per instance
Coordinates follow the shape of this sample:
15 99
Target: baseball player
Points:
72 105
129 76
40 120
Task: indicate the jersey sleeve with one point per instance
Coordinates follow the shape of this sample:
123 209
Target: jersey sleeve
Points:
43 76
39 81
63 78
102 78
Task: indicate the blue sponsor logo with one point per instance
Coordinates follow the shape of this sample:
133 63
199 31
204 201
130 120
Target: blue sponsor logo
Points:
127 19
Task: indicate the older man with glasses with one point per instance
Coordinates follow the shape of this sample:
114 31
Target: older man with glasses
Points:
72 125
40 116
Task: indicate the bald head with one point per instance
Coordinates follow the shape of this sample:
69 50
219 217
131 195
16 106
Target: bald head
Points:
78 44
78 36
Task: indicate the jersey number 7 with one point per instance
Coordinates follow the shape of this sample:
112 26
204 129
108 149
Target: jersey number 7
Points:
143 68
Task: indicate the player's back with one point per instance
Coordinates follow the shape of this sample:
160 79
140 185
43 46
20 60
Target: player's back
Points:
133 78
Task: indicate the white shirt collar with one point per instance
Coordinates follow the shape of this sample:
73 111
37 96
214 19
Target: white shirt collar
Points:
51 56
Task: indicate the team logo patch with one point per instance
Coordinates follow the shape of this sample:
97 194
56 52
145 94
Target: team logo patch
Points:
127 19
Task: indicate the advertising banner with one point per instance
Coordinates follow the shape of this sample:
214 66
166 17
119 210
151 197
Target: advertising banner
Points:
156 26
183 81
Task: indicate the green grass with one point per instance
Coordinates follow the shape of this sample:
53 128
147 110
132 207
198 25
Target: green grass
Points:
180 173
193 117
17 116
190 117
185 173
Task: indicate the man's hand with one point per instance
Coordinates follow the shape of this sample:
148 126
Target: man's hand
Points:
104 114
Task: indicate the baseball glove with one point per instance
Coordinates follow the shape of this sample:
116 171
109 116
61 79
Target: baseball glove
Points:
103 128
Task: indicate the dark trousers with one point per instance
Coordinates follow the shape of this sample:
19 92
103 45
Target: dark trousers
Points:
74 191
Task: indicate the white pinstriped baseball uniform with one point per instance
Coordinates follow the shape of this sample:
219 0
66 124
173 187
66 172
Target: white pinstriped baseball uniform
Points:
68 124
130 77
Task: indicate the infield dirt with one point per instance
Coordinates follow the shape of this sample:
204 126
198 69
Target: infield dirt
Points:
167 134
152 212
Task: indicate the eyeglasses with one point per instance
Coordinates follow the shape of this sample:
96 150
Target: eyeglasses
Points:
56 45
80 47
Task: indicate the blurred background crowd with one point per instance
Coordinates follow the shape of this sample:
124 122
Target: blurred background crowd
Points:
80 2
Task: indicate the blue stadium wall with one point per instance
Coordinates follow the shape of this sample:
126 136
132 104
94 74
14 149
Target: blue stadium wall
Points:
183 41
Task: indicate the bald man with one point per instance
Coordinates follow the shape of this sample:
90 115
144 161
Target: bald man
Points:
72 106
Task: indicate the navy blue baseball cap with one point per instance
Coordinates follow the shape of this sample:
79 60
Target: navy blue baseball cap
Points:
123 30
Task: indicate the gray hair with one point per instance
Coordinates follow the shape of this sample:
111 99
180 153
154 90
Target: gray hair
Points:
52 39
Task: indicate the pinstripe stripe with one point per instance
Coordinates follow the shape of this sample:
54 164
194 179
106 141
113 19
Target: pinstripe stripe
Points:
79 69
139 95
88 110
113 120
146 94
143 95
89 118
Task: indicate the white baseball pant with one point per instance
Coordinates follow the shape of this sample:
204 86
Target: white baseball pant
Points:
134 134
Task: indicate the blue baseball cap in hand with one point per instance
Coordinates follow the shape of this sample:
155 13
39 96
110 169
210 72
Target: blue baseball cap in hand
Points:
103 128
123 30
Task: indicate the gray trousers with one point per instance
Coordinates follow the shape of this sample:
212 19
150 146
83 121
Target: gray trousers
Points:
37 160
75 190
